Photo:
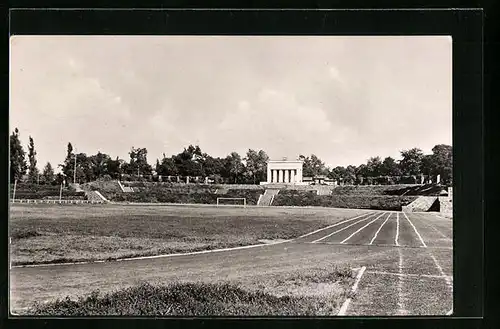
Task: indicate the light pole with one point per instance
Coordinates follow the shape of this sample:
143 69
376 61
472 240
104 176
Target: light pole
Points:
74 171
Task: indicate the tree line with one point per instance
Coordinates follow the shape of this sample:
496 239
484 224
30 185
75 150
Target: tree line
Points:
250 169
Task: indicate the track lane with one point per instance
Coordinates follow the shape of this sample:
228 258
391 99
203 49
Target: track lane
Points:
47 283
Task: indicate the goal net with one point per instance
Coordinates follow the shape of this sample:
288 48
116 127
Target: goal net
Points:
232 202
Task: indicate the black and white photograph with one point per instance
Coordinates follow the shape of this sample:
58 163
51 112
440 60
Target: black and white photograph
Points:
230 175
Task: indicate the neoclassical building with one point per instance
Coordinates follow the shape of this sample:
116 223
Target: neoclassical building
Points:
284 172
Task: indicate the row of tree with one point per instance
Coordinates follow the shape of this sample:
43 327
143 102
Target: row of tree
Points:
413 164
250 169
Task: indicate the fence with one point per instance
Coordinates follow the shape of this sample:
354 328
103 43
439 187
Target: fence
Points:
56 201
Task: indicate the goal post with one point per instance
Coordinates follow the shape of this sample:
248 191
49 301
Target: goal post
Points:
242 202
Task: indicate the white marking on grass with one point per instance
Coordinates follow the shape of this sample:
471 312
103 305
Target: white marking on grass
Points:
446 278
415 229
157 256
360 229
401 308
344 307
329 235
376 233
410 275
397 230
441 233
443 275
336 224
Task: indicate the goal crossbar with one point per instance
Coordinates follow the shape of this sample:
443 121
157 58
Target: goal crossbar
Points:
244 201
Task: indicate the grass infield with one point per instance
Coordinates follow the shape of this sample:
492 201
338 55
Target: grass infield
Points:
73 233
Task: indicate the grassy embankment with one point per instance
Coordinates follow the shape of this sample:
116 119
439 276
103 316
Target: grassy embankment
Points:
309 198
69 233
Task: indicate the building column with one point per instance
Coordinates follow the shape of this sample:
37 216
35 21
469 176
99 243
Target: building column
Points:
299 175
275 176
268 174
287 176
292 176
280 176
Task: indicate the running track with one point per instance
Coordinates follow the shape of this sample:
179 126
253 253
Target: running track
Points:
408 261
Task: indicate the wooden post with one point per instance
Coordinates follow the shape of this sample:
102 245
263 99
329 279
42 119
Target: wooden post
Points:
14 192
60 193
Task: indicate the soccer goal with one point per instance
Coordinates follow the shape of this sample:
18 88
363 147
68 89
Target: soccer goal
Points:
232 202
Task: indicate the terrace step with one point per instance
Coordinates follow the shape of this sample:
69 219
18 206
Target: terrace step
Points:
324 190
125 189
422 203
267 198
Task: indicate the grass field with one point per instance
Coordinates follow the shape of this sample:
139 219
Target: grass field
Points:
318 291
68 233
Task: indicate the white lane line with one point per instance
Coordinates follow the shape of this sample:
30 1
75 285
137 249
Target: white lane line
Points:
446 278
441 233
336 224
415 229
435 229
409 275
401 308
397 230
329 235
157 256
360 229
443 275
344 307
376 233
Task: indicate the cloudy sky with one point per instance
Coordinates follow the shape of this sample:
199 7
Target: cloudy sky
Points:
342 98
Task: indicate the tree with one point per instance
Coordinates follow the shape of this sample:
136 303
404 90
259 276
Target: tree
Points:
99 164
68 167
389 167
166 167
362 172
114 168
139 162
256 163
18 164
350 174
374 167
48 174
84 168
33 170
442 159
215 168
234 166
411 162
313 166
428 166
